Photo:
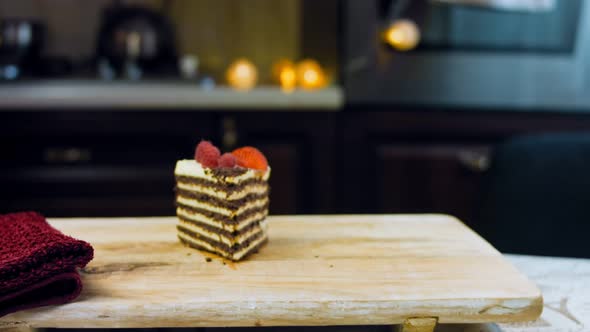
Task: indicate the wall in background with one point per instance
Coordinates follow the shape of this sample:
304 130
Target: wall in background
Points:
217 31
72 24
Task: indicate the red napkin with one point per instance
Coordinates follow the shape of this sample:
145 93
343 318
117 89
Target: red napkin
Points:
38 263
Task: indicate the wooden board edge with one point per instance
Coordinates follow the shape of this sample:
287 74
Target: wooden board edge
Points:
386 314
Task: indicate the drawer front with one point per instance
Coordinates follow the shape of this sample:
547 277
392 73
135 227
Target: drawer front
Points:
91 175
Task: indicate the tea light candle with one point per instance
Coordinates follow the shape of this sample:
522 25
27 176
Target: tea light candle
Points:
242 74
310 74
283 73
288 79
403 35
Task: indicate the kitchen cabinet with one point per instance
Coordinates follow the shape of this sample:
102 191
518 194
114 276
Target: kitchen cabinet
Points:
414 167
120 163
428 161
418 178
94 163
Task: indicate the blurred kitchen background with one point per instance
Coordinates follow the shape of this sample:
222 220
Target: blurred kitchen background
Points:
475 108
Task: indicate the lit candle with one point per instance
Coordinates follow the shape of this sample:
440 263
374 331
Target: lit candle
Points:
242 75
403 35
283 73
310 74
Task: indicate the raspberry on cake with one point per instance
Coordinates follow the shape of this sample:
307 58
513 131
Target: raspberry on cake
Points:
222 203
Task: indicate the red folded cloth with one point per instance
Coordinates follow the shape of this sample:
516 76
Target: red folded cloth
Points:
38 263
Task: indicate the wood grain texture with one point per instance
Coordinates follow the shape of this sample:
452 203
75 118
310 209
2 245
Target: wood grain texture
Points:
316 270
419 325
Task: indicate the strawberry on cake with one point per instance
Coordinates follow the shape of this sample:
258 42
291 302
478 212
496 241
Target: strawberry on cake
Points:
222 200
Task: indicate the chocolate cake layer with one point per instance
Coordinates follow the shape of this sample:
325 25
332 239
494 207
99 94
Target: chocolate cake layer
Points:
224 172
253 250
223 218
223 203
220 245
197 217
220 186
226 233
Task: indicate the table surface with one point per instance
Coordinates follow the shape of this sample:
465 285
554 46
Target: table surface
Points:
565 284
316 270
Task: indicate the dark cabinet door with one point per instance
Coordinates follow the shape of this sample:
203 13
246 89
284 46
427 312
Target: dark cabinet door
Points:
401 163
95 163
299 149
427 178
286 179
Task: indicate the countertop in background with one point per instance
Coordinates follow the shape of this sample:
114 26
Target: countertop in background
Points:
158 95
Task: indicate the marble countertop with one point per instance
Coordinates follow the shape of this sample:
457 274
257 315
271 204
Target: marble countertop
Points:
145 96
565 284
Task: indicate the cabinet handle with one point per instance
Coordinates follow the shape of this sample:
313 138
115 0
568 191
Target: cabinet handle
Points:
66 155
230 133
475 161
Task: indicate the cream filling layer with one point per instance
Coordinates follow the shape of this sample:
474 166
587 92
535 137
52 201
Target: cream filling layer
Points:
236 256
250 189
223 239
211 222
223 211
191 168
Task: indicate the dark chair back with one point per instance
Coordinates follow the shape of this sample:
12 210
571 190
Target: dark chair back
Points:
536 196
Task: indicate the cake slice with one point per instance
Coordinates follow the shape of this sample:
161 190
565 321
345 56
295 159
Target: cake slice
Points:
221 207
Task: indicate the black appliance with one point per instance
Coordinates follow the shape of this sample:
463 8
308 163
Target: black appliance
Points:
21 42
470 56
137 37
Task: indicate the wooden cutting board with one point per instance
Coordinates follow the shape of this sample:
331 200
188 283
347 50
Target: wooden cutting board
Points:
316 270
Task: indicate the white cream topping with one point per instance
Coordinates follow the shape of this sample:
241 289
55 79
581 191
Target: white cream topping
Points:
236 256
222 238
224 211
191 168
211 222
222 194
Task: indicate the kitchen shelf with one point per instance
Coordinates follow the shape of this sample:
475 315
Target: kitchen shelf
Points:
142 96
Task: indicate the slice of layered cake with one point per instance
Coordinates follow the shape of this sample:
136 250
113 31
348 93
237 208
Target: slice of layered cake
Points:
222 201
